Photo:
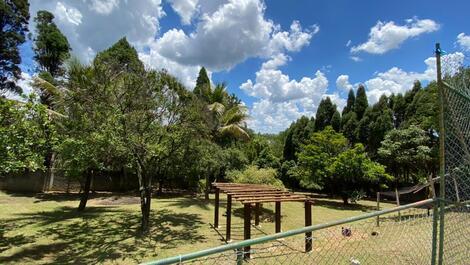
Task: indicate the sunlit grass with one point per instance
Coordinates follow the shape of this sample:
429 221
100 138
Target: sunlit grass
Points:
40 229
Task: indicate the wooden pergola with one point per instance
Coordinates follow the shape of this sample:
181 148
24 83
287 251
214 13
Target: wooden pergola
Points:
251 196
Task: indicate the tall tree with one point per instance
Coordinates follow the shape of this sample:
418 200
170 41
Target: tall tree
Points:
203 85
14 17
51 47
336 121
120 55
353 171
350 102
406 153
324 114
361 103
314 157
297 135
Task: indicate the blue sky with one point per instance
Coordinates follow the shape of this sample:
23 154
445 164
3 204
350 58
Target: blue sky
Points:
279 57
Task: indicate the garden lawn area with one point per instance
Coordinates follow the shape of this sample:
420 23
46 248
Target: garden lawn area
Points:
46 228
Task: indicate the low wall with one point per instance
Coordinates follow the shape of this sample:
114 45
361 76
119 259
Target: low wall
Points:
39 182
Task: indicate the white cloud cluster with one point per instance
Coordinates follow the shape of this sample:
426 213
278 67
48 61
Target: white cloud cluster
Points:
93 25
342 82
384 37
237 30
396 80
226 32
282 100
464 41
186 9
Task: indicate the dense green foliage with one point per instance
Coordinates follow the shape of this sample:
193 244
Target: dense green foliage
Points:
14 17
23 138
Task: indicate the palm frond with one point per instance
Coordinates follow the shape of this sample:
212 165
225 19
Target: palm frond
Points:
235 115
235 131
217 108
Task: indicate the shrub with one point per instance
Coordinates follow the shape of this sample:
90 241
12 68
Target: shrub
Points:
255 175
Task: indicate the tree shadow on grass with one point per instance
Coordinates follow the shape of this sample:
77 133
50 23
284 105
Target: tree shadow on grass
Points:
337 205
102 234
189 201
266 214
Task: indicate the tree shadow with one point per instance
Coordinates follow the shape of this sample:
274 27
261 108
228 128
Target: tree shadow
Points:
266 215
7 242
189 201
100 234
337 205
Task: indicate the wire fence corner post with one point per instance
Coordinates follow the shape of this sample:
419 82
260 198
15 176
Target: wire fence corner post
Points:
441 154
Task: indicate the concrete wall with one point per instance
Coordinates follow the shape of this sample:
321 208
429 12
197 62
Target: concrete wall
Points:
39 181
25 182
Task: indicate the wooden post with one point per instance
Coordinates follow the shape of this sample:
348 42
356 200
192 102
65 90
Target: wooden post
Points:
278 217
247 228
228 226
257 213
398 202
216 210
378 208
308 222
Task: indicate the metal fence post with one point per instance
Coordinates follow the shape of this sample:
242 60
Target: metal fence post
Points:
441 154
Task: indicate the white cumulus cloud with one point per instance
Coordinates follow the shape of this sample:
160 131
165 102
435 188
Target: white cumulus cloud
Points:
342 82
186 9
237 30
397 80
384 37
464 41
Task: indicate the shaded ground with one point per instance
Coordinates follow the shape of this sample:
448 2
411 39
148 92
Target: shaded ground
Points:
45 228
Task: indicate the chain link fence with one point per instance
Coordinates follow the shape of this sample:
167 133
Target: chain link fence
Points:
433 231
455 100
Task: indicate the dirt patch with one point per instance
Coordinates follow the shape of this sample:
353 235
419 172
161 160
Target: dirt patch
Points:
115 200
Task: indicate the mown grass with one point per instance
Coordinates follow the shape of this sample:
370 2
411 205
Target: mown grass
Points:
46 228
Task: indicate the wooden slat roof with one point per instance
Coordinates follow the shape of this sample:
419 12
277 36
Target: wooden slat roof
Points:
256 193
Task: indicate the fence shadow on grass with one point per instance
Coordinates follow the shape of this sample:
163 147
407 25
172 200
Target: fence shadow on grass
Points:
97 235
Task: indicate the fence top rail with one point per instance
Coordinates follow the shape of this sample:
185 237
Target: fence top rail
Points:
260 240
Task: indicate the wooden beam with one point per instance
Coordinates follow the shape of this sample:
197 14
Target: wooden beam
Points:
244 190
229 219
257 193
257 213
278 217
265 200
216 208
247 228
308 222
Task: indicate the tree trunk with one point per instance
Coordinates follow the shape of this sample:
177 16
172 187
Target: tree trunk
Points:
51 170
206 191
86 191
345 199
160 187
145 199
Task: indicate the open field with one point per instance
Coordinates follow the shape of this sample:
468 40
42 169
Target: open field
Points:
45 228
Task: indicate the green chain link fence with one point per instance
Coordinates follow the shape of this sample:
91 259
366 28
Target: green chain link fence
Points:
433 231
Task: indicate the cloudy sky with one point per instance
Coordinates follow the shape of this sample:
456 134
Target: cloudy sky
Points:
279 58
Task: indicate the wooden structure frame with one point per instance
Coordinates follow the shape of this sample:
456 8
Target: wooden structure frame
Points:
252 196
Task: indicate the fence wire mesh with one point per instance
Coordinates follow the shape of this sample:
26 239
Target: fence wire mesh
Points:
456 102
406 237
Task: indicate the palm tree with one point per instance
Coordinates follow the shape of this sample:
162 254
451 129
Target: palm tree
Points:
228 115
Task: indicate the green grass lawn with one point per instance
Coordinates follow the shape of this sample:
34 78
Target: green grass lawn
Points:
45 228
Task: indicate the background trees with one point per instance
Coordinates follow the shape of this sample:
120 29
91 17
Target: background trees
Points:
14 17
